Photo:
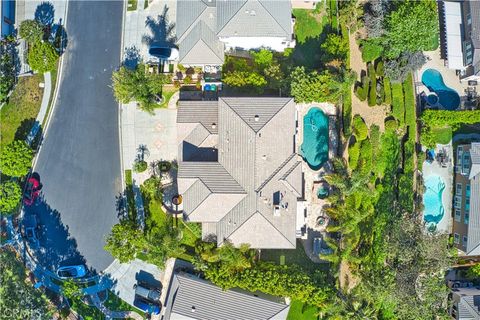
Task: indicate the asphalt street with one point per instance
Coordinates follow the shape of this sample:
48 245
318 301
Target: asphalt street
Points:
79 161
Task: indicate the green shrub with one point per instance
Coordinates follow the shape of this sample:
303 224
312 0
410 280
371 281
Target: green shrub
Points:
381 94
371 50
375 141
42 57
361 91
410 117
187 80
365 157
353 155
388 91
347 114
140 166
360 129
391 125
10 195
372 93
398 106
379 69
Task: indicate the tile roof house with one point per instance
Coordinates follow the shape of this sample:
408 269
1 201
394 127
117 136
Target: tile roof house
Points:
467 199
239 173
206 28
190 297
461 29
466 304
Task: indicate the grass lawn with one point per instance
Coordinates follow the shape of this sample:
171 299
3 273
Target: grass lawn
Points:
114 303
18 115
132 5
442 135
167 93
87 312
410 116
300 311
292 256
308 24
131 207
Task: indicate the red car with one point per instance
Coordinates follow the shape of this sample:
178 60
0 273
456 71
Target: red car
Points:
32 191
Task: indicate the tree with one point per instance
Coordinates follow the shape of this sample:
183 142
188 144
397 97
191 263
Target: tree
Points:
138 85
7 74
31 31
42 57
71 290
125 241
10 195
336 46
164 242
244 79
474 272
262 58
411 27
315 87
16 159
398 69
18 299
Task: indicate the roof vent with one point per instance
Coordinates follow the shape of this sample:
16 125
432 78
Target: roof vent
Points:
214 125
264 157
252 12
193 308
247 12
257 118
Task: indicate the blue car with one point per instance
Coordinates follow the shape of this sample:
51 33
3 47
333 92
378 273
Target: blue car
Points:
71 272
146 306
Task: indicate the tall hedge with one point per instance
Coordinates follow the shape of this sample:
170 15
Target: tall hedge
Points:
410 114
372 93
361 91
353 155
365 157
442 118
360 129
398 106
388 91
347 114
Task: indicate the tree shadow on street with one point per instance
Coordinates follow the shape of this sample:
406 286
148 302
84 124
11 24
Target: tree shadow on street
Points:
57 248
161 31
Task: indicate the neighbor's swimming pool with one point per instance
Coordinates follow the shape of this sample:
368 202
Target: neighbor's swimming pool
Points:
314 148
448 98
432 200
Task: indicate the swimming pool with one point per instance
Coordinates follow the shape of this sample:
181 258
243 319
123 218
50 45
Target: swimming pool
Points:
314 148
448 98
432 200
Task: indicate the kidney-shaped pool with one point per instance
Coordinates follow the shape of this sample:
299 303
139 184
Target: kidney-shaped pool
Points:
314 148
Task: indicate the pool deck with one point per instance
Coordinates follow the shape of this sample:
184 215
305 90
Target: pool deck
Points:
314 205
434 168
450 77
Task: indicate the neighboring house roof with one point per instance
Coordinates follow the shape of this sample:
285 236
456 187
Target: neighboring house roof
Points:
193 298
473 243
254 18
201 46
468 303
454 34
256 150
201 23
204 112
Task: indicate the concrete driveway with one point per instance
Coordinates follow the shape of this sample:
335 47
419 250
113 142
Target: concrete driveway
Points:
126 275
79 161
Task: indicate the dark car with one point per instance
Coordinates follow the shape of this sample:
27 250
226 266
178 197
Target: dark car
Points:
147 298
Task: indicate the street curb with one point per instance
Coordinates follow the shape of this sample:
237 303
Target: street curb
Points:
120 135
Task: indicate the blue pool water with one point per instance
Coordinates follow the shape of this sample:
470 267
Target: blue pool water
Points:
432 199
314 148
448 97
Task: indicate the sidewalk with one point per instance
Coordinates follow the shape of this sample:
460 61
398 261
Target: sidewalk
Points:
42 113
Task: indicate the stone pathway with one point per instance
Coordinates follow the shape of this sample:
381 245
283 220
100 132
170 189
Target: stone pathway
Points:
371 115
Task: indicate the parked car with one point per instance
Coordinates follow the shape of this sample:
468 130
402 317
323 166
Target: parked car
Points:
71 272
32 190
147 298
30 225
